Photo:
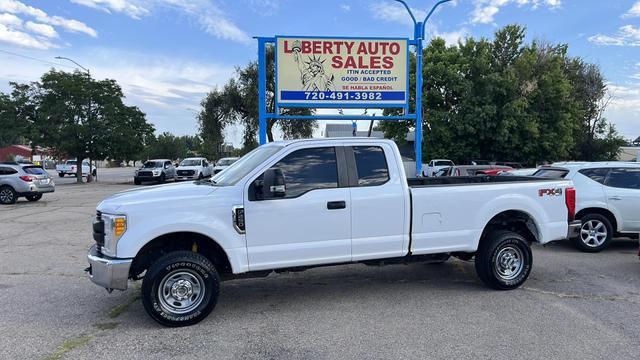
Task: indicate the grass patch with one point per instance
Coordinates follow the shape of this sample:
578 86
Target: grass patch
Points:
118 310
67 346
106 325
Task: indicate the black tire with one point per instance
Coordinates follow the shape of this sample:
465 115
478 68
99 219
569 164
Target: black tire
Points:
94 173
137 181
34 197
200 177
162 178
504 260
591 238
180 266
8 196
61 174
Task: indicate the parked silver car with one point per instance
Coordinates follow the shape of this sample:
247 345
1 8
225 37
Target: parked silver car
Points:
23 180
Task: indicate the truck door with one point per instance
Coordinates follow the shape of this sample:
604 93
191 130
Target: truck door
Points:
306 220
379 215
623 195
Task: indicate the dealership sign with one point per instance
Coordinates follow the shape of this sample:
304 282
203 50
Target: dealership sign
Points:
341 72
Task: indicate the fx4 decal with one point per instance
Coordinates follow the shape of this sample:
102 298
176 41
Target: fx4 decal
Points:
550 192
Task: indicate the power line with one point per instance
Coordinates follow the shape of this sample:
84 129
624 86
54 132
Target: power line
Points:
36 59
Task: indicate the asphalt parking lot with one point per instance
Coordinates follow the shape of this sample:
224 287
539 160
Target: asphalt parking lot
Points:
574 305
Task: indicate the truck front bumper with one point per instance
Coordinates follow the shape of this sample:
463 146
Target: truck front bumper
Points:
574 229
109 273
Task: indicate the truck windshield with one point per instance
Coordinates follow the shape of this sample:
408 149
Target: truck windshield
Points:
152 164
190 162
225 162
242 167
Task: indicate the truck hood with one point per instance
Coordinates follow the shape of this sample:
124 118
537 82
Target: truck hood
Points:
152 196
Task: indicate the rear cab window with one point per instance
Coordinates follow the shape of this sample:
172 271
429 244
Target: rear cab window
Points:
371 165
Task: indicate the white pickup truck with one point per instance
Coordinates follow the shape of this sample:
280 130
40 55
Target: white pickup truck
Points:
299 204
69 168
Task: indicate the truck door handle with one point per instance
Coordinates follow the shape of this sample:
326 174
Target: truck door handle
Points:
615 198
335 205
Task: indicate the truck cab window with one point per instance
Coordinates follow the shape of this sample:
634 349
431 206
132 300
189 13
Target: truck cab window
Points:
371 165
309 169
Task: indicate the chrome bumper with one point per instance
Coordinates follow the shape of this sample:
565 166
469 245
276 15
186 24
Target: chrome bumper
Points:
108 273
574 229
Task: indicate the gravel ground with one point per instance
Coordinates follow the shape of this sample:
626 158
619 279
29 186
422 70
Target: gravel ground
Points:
574 305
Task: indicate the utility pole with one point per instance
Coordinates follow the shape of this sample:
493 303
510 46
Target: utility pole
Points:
79 161
418 37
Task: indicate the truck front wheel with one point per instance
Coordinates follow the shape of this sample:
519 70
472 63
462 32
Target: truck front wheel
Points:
180 288
504 260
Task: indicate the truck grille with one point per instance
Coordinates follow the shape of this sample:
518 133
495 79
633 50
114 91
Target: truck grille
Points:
186 172
145 173
98 230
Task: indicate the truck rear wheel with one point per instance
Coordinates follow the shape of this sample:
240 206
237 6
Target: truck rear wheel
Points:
181 288
504 260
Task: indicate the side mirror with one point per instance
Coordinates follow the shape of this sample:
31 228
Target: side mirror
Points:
272 185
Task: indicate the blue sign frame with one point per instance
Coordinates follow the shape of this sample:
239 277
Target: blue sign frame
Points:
337 105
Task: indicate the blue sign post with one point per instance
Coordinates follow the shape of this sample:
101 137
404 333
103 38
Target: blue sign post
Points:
378 88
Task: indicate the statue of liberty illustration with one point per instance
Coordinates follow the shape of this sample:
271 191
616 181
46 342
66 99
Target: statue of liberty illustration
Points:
312 73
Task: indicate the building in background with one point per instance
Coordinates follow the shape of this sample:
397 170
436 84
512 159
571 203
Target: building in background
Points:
346 130
24 153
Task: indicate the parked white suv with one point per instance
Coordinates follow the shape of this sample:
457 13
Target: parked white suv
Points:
196 168
609 201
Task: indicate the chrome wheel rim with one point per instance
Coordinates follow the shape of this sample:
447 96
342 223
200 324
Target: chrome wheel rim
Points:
6 196
593 233
509 262
181 291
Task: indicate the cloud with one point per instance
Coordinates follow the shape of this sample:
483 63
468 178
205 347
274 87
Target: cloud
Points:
394 12
345 7
41 29
10 20
634 11
627 35
207 14
485 11
19 38
122 6
453 37
624 108
17 8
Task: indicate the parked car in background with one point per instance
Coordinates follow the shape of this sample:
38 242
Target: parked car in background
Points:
510 164
470 170
70 166
609 200
159 170
29 181
519 172
495 170
193 169
223 164
435 165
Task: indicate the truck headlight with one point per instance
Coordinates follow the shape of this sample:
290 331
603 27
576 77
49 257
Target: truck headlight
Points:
156 172
114 227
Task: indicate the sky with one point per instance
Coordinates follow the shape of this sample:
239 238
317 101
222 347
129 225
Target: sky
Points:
167 54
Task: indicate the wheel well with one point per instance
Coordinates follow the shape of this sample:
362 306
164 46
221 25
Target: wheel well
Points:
189 241
604 212
516 221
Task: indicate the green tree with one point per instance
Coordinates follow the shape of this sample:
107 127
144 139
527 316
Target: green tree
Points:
79 116
237 103
502 99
